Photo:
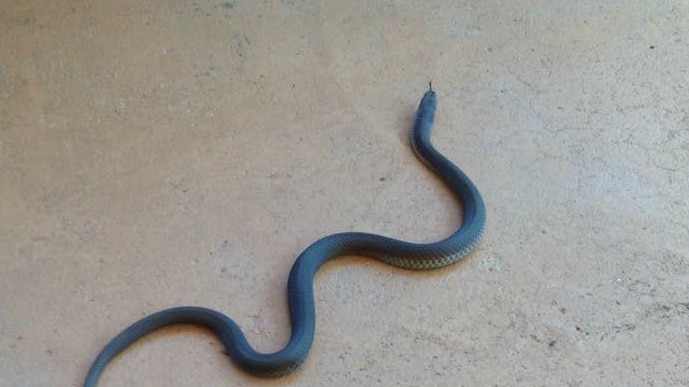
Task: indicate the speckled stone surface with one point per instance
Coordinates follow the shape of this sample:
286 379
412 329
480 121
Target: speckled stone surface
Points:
157 154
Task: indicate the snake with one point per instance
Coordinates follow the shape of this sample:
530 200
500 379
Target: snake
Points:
406 255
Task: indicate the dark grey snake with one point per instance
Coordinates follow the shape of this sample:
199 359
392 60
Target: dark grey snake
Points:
300 285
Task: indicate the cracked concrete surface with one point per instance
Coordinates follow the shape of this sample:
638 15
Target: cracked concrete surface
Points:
156 154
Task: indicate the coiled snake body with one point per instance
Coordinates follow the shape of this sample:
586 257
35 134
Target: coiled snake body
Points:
300 285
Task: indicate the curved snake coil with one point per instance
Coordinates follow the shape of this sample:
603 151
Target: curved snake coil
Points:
300 285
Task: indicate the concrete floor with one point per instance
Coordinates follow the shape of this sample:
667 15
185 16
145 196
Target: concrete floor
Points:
156 154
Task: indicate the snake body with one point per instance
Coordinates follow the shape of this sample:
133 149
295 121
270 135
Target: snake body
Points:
300 285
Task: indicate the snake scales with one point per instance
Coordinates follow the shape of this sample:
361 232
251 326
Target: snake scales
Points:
300 285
